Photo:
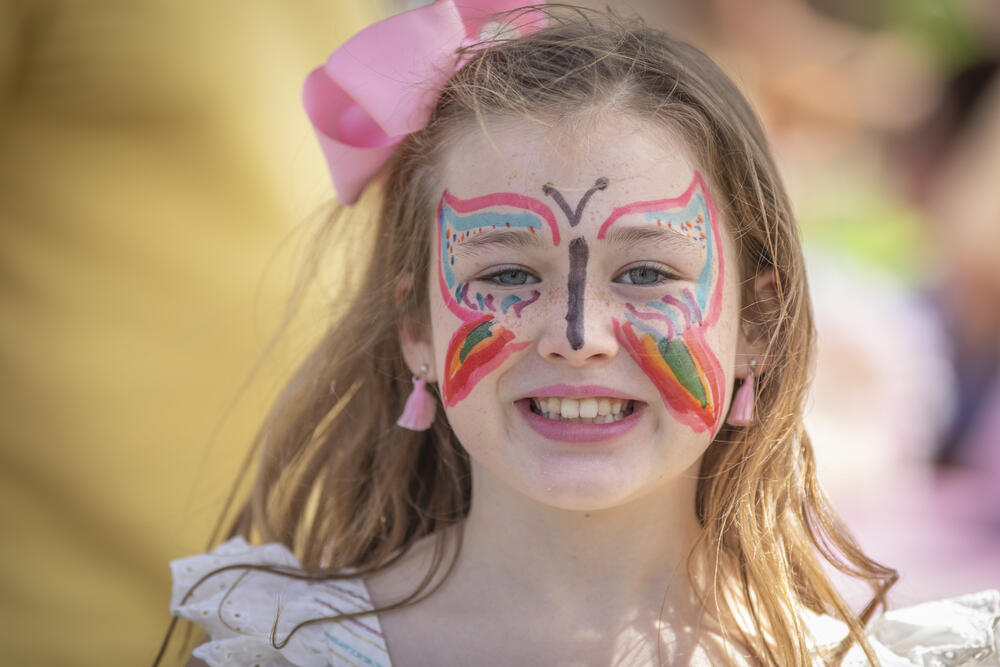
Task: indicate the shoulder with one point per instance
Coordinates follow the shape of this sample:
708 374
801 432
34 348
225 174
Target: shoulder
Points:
963 630
243 607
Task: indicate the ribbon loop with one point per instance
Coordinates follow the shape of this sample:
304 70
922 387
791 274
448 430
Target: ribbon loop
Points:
382 84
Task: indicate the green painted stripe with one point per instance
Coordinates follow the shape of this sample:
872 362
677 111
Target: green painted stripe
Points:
476 336
678 357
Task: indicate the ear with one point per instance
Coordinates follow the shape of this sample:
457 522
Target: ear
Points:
414 336
756 321
417 349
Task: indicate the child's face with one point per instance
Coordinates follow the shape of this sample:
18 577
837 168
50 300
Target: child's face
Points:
584 309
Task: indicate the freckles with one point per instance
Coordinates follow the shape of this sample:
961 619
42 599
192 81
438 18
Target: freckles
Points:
666 337
481 343
573 215
516 304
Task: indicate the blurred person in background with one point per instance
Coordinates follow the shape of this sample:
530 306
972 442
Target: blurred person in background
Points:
950 167
912 380
902 381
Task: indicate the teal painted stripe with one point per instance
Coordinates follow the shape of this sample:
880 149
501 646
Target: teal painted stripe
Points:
477 220
669 311
644 327
690 212
353 651
509 301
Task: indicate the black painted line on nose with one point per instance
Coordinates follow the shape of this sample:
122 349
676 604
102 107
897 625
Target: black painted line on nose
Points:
571 215
578 254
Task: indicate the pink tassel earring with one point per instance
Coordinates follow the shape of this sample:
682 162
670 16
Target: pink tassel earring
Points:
418 415
741 410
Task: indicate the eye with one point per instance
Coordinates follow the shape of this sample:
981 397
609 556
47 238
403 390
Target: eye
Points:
510 276
645 274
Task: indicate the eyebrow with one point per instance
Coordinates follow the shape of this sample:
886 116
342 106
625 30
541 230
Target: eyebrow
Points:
507 238
630 236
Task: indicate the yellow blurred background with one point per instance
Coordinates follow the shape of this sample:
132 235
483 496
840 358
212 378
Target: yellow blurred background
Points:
156 168
153 160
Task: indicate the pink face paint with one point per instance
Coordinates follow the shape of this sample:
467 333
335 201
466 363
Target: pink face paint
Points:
664 321
666 338
481 343
520 305
679 305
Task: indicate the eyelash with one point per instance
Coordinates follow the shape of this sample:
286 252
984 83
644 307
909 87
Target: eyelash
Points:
656 268
493 276
509 268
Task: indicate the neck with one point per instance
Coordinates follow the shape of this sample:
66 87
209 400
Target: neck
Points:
620 562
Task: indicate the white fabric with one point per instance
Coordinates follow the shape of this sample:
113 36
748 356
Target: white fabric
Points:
963 630
239 619
945 633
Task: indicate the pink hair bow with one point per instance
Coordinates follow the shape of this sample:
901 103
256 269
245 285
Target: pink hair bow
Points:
382 84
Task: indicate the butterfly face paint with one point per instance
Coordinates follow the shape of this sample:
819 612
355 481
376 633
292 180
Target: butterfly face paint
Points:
482 343
666 337
596 262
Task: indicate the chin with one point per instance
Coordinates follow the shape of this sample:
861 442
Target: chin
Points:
588 485
655 456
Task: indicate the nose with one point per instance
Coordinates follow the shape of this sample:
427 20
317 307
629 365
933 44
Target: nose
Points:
579 331
598 344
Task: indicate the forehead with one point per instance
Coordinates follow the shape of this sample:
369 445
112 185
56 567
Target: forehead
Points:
640 160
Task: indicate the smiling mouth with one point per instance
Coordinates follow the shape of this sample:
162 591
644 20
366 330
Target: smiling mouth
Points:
597 410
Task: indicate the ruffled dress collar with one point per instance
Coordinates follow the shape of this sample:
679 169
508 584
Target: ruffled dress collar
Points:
238 608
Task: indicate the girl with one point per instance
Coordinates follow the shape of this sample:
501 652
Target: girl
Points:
586 297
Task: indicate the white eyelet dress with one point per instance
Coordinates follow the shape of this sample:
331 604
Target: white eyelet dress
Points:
238 609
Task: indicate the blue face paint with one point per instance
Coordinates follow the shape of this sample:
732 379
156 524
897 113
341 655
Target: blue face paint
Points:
463 226
481 343
509 301
666 338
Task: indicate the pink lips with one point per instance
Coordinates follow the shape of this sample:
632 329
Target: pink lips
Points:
565 431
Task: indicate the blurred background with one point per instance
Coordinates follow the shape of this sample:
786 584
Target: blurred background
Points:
156 173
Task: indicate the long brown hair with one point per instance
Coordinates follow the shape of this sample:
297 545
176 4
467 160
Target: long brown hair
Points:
343 487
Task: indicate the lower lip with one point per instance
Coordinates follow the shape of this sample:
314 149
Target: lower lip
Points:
564 431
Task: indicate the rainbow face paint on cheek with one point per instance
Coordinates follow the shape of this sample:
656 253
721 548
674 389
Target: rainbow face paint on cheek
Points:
477 347
683 369
666 337
481 343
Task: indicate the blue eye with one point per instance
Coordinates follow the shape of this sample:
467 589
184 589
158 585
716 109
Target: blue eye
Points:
512 277
644 275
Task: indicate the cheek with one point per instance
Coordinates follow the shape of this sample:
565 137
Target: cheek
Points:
675 340
476 348
682 366
483 333
481 324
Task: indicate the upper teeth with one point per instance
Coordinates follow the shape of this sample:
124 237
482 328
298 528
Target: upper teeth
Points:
584 408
